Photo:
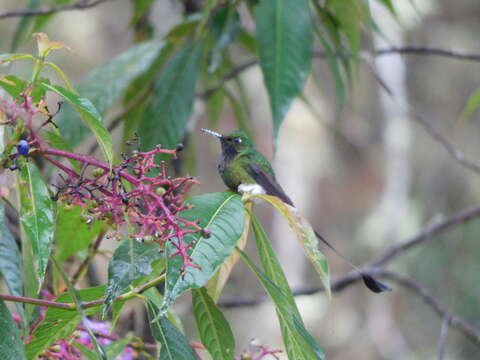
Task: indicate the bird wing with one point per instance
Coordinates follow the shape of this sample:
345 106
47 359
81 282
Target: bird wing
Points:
268 182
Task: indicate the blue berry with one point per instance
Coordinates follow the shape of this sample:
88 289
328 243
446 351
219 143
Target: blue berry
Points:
23 147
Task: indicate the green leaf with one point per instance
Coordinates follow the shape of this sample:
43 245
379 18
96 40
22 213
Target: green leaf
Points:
305 234
68 242
274 272
284 42
115 348
90 116
130 260
165 119
174 346
473 103
214 329
106 84
216 284
156 298
36 216
10 266
223 214
11 345
88 353
60 323
298 342
139 8
225 26
13 85
6 58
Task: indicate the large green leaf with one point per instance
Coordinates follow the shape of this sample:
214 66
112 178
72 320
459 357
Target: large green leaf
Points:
284 42
165 119
304 233
130 260
274 272
11 346
299 343
174 346
68 242
223 214
36 215
106 84
60 323
90 116
214 329
10 266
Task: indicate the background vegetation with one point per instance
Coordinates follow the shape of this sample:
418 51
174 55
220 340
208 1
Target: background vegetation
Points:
368 109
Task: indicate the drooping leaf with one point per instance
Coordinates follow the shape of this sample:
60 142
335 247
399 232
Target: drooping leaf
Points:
213 328
284 43
299 344
130 260
90 116
305 234
115 348
68 242
274 272
174 346
60 323
36 216
106 84
10 266
11 345
223 215
165 119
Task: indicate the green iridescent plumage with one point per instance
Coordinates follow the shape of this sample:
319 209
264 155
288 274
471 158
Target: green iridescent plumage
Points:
241 164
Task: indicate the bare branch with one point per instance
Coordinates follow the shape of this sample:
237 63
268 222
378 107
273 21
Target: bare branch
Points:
426 50
467 329
427 233
78 5
407 50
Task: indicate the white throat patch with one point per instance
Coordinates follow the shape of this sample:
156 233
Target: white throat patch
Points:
251 189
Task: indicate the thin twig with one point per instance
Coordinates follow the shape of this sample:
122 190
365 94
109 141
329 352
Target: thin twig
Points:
439 138
426 233
467 329
78 5
406 50
71 306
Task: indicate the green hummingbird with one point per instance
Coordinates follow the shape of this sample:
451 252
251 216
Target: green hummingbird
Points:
245 170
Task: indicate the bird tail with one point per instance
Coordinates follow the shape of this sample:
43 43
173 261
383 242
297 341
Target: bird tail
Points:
370 282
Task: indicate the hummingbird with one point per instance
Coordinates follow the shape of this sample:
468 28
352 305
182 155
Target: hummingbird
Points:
243 169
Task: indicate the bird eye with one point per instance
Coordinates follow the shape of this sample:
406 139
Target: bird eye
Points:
238 140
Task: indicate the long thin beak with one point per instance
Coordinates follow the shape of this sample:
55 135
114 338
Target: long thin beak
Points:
213 133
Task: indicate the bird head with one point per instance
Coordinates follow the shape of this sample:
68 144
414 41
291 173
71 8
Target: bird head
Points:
235 141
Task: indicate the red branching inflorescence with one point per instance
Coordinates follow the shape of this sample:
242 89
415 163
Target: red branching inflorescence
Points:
137 192
129 194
